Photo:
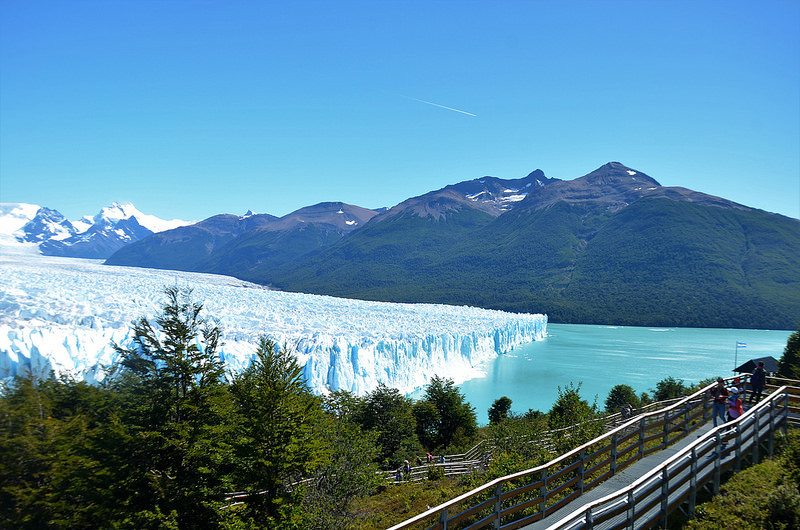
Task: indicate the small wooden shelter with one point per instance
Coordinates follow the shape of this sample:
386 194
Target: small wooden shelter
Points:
770 365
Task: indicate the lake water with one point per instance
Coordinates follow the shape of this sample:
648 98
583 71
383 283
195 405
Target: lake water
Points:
601 357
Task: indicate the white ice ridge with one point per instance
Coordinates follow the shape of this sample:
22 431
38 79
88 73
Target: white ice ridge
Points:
62 314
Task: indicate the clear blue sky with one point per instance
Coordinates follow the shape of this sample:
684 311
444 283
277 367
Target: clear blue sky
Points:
193 108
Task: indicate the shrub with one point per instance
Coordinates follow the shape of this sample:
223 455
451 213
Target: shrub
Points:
783 506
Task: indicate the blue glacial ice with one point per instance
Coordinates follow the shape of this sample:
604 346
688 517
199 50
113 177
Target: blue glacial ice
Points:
62 314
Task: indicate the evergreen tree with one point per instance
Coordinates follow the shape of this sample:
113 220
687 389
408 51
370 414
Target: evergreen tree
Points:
342 404
499 410
619 396
27 447
789 363
276 445
177 414
571 410
427 420
669 388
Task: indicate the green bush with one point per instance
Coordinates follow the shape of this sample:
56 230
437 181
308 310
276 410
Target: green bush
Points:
783 507
762 496
435 472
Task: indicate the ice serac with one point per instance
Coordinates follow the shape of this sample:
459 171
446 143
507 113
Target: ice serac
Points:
63 314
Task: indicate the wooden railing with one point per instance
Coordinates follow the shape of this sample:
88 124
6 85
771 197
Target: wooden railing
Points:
478 456
675 483
529 496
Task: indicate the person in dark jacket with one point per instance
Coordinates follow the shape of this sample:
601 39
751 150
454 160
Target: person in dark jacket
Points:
757 381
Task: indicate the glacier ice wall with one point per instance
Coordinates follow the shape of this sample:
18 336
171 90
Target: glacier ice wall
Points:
62 314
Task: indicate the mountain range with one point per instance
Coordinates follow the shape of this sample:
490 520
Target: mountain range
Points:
52 234
611 247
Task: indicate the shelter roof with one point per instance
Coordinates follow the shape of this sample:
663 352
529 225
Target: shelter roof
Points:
770 365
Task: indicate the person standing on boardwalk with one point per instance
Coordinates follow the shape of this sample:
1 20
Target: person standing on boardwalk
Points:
757 381
720 405
734 405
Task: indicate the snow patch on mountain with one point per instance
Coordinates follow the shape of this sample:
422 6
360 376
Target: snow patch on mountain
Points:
13 217
32 228
116 212
63 314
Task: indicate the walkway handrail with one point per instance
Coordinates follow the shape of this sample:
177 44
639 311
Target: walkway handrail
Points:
476 456
568 476
651 498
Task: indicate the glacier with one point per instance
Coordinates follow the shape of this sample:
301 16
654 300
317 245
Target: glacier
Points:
62 314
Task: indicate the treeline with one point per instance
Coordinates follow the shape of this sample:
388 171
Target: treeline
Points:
170 440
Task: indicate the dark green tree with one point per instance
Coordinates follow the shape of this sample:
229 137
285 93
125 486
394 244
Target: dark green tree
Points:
347 472
499 410
619 396
172 377
573 417
513 444
53 473
669 388
27 436
88 476
454 422
789 363
388 413
427 419
570 408
276 446
342 404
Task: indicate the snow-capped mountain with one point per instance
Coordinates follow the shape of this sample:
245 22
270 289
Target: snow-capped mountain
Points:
63 314
29 226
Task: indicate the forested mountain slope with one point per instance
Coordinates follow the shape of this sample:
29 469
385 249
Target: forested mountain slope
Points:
612 247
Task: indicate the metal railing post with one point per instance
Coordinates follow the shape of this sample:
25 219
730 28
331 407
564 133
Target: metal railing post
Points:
582 469
693 484
737 464
786 413
664 497
717 463
614 454
641 438
543 493
631 511
756 437
687 408
498 505
771 428
665 438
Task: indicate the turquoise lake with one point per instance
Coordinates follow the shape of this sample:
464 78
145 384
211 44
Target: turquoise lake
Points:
600 357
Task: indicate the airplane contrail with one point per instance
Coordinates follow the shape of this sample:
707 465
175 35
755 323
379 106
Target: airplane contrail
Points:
441 106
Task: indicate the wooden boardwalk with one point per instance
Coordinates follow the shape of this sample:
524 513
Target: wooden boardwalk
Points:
644 494
631 477
621 480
